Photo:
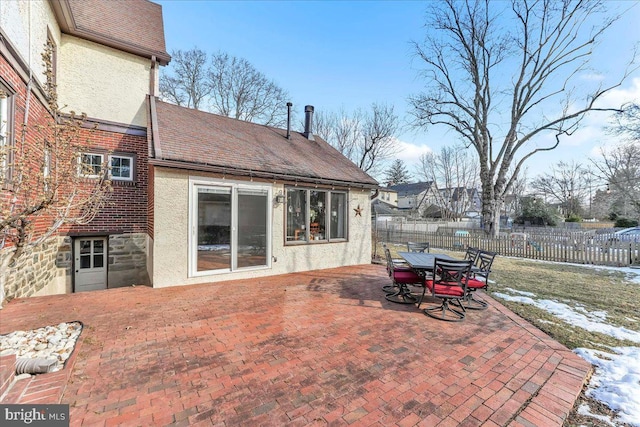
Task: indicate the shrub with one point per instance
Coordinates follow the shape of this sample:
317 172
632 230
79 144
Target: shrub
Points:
625 223
573 218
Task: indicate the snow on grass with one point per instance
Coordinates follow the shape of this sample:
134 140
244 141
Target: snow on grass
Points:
586 411
588 321
616 381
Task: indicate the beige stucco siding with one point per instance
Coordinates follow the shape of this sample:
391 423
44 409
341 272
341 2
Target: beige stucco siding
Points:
104 83
25 23
171 251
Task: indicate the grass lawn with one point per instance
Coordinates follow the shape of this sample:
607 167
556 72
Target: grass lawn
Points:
596 292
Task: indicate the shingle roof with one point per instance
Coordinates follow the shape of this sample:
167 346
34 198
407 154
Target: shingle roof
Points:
411 189
135 26
201 138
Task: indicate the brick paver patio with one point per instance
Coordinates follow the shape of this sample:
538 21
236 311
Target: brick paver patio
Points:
316 348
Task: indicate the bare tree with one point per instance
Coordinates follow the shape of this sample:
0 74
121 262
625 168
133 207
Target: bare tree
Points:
454 174
187 83
342 130
502 75
378 138
45 185
567 184
240 91
627 122
366 138
620 169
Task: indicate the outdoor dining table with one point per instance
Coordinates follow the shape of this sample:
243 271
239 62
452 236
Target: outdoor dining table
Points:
422 262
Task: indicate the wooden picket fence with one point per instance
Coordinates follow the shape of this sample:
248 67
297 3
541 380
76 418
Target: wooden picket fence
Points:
563 246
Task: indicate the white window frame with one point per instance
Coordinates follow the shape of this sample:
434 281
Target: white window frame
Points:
6 131
4 125
80 167
233 186
131 168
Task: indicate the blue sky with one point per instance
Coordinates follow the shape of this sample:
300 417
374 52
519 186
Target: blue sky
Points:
350 54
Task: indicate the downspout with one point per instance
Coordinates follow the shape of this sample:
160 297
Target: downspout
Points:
153 76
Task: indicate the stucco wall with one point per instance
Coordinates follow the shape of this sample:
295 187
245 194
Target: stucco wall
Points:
170 244
102 82
25 23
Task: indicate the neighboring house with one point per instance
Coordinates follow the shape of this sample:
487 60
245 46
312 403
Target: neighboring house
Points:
464 202
388 196
106 56
384 205
416 197
233 199
196 197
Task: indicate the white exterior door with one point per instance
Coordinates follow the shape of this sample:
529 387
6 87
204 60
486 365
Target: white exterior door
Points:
90 263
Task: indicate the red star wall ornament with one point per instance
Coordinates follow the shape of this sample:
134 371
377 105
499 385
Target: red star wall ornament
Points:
358 211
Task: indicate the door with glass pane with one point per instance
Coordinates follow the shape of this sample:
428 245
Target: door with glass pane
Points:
214 228
232 227
252 227
90 261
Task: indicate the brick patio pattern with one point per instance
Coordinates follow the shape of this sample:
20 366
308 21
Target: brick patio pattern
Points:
315 348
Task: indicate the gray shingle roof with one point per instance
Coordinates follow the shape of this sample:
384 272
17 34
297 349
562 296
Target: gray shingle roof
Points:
201 138
411 189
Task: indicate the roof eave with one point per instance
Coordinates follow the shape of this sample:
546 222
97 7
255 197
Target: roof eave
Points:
67 24
232 171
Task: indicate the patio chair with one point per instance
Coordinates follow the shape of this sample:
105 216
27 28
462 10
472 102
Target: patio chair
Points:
401 277
472 254
418 247
479 280
449 283
394 261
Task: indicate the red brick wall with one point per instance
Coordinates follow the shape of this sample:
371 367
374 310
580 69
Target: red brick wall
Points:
126 211
38 120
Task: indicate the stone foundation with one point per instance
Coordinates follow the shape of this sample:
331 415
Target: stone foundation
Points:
127 260
48 268
38 269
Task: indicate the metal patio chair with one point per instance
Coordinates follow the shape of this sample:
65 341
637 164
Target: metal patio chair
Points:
479 280
401 277
448 283
418 247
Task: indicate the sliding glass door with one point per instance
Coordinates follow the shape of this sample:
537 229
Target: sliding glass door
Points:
230 227
214 228
252 227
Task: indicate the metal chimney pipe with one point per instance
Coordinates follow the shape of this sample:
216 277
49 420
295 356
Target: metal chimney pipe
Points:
289 105
308 122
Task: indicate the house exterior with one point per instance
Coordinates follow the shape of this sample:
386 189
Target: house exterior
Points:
233 199
464 202
388 196
196 197
105 61
415 197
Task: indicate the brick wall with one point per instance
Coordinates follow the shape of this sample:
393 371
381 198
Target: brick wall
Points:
126 209
125 212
